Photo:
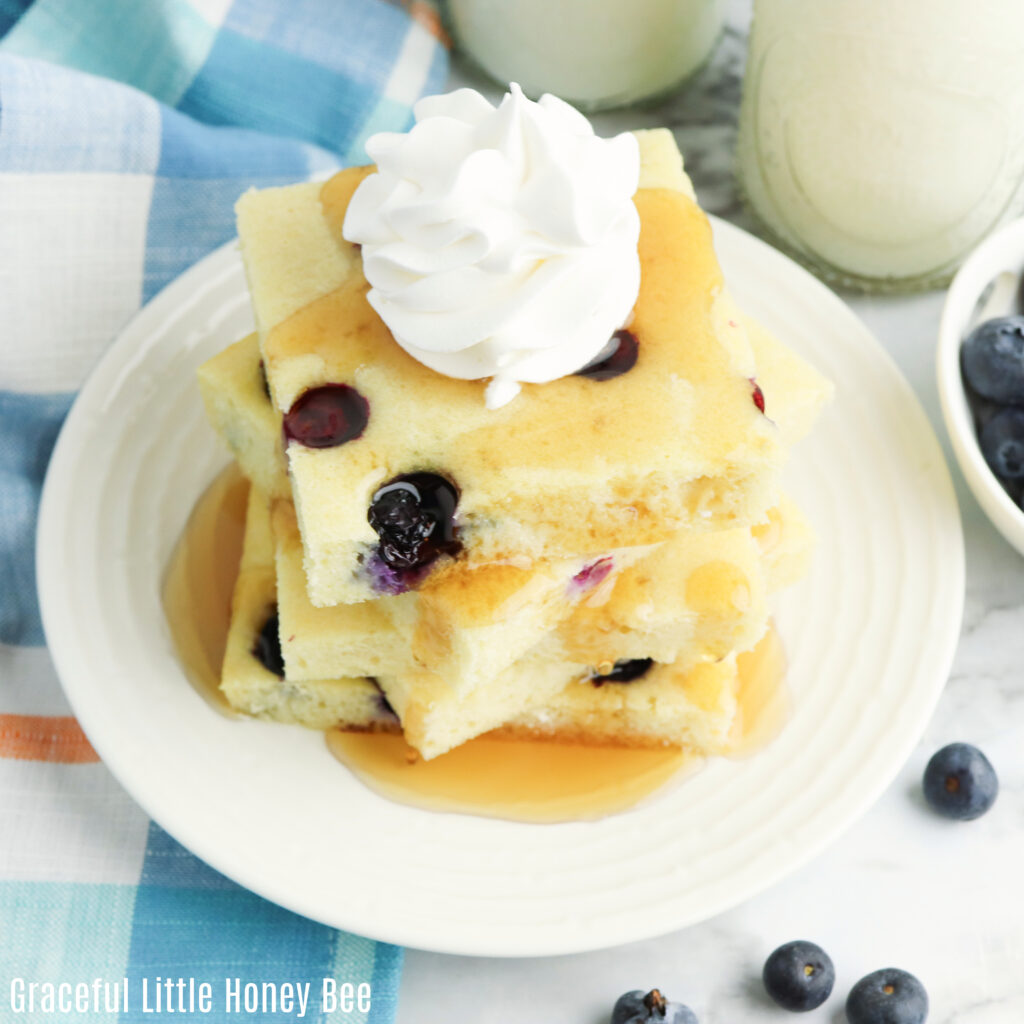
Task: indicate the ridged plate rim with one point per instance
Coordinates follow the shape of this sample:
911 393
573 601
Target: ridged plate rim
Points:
871 635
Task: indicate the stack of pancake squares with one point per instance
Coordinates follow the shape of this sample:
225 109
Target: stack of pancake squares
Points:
588 563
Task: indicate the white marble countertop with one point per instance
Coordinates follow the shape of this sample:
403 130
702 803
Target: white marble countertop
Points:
902 888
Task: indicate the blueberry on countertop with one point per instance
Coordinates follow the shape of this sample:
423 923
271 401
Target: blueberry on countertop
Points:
1002 443
639 1007
888 996
799 976
992 358
960 782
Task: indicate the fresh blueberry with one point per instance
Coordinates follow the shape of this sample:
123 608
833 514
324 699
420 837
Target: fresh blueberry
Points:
591 576
386 579
1015 488
982 409
384 708
638 1007
960 782
1002 444
799 976
414 516
327 416
992 358
624 671
888 996
616 358
267 647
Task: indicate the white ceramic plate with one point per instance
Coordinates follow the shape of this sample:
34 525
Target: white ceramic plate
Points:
871 635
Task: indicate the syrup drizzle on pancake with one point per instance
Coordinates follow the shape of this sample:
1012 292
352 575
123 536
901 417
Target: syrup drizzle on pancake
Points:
521 780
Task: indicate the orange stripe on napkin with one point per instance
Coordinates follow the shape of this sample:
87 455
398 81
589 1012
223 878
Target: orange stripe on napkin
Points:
44 738
426 15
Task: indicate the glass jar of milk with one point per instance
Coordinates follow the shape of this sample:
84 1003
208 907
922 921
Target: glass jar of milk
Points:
595 54
880 140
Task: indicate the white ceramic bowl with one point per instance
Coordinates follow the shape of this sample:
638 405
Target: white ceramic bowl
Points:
998 262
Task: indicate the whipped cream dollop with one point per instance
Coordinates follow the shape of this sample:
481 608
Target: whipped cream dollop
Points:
500 241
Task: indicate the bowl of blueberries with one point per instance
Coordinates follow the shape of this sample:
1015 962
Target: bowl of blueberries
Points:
980 365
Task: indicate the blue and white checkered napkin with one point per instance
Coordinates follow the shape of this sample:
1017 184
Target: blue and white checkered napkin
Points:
127 130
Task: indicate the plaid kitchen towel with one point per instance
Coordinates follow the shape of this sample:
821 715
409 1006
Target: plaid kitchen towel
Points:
127 130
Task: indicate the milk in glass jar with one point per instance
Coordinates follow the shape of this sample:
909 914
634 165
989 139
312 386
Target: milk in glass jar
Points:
879 140
595 54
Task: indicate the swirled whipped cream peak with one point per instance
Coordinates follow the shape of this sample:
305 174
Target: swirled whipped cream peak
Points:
500 242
